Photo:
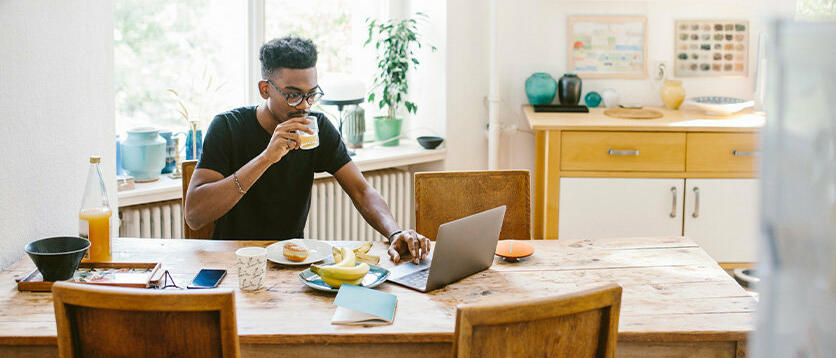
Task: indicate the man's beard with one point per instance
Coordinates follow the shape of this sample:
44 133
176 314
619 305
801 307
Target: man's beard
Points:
294 114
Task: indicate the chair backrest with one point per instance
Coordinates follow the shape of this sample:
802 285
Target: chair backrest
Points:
583 324
100 321
442 197
188 233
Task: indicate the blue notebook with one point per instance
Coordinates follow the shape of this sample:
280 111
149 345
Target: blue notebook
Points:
357 305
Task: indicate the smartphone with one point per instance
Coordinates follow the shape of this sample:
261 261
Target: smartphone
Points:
208 278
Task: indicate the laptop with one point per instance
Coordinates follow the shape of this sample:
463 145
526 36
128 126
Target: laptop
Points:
463 247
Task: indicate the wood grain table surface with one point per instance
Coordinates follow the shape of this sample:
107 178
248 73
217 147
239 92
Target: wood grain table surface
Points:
676 299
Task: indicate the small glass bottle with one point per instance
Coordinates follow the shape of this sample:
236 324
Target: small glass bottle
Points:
94 215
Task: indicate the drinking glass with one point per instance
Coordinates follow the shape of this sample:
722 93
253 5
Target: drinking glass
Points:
310 141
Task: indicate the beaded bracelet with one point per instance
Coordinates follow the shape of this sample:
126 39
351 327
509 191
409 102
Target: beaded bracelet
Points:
240 189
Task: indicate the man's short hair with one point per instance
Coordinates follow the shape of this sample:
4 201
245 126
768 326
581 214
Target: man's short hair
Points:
286 52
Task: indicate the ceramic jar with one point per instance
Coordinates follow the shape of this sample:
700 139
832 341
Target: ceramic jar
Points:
610 98
672 94
540 88
354 125
569 89
143 154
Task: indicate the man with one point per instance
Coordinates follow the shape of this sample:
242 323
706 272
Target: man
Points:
254 181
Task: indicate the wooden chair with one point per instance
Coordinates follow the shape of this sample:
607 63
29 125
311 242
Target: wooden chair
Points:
188 233
583 324
442 197
100 321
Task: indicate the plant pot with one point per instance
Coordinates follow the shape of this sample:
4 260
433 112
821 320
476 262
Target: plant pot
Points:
540 88
143 154
385 128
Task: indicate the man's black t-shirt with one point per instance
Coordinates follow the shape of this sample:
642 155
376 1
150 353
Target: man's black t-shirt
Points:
276 206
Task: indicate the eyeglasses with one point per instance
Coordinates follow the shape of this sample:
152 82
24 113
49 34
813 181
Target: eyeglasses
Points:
294 99
168 282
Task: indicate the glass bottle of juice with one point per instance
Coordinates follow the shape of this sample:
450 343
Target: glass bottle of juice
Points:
94 216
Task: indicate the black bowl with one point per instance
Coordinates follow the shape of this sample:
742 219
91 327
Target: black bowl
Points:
430 142
57 258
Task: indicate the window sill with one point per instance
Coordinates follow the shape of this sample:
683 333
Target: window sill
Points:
367 159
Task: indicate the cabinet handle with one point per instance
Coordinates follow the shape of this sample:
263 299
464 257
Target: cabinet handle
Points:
740 153
696 202
622 152
673 207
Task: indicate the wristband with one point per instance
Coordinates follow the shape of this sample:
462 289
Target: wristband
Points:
389 238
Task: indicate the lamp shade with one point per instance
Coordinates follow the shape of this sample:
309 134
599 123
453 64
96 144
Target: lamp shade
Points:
342 89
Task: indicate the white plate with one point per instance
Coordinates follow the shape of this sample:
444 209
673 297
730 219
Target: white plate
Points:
318 251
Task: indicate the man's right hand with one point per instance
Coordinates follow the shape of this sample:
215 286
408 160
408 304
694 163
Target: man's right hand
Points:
285 138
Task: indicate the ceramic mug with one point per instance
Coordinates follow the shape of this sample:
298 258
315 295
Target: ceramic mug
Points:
252 267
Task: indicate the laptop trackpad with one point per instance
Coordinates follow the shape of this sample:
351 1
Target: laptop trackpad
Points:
409 267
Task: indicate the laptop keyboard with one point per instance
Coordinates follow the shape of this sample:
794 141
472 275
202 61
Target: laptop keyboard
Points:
417 279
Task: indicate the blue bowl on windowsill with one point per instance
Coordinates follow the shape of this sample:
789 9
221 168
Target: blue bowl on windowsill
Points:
429 142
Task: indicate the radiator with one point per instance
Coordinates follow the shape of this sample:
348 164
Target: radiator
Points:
155 220
332 215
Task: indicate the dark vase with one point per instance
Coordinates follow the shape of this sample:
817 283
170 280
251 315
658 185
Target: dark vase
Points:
569 89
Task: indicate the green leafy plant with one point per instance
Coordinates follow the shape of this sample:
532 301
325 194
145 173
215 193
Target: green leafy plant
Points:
395 41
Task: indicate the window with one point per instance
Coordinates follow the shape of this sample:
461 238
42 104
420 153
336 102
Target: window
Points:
195 47
199 49
337 27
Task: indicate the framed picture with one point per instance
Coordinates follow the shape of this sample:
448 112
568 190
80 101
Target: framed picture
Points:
711 48
607 46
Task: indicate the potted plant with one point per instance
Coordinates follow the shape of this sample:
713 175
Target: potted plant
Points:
395 41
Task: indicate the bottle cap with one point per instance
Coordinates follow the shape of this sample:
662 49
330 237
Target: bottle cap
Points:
95 159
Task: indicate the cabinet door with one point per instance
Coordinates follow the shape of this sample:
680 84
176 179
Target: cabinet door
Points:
620 207
722 216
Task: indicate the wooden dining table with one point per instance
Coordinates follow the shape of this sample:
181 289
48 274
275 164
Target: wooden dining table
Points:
676 300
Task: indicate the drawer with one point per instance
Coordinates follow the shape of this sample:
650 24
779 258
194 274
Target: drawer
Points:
622 151
722 152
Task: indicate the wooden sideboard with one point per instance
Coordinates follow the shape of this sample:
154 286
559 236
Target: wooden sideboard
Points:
686 173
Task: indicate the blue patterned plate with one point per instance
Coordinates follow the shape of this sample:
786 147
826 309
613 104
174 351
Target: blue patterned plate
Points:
376 276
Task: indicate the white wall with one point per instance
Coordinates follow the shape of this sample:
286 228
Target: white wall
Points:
56 109
467 84
532 38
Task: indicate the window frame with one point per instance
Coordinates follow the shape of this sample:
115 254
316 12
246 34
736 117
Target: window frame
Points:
256 37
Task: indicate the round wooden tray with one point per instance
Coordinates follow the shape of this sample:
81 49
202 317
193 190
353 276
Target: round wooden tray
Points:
633 113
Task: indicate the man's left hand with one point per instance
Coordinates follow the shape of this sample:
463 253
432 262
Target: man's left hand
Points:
409 242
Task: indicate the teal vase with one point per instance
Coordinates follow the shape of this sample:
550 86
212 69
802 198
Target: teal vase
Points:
386 129
592 99
143 154
540 88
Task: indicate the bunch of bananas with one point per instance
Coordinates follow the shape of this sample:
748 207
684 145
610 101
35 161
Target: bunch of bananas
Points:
361 253
345 270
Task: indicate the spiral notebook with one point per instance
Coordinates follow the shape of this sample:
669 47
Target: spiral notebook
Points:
357 305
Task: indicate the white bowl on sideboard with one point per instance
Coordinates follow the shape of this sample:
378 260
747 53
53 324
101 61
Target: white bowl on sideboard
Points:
719 105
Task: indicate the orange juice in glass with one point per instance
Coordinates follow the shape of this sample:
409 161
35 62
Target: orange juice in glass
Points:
310 141
94 215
